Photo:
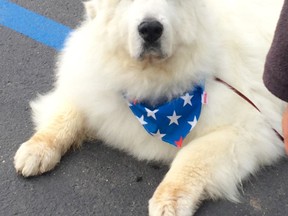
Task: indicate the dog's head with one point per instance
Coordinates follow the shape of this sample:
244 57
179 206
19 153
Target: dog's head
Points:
146 29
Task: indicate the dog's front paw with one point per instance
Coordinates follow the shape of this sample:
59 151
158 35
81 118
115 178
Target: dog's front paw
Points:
172 200
34 158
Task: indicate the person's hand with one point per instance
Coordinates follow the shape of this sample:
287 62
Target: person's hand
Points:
285 128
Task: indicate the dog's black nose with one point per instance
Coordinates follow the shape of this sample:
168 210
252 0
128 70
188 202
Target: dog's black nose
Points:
150 31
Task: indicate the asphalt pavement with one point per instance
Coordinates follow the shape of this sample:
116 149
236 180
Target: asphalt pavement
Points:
94 180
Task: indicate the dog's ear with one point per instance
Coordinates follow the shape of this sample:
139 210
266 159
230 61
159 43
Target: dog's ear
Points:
91 9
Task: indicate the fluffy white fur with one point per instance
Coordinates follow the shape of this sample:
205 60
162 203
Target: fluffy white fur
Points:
201 39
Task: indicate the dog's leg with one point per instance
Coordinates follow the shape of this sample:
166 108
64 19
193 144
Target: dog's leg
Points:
44 149
208 168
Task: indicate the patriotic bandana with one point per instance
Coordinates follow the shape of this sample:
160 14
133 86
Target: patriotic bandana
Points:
173 120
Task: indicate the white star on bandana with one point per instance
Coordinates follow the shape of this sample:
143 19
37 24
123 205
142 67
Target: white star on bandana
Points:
193 123
141 120
151 113
174 118
158 135
187 99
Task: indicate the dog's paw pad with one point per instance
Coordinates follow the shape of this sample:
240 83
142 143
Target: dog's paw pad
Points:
172 200
162 208
35 158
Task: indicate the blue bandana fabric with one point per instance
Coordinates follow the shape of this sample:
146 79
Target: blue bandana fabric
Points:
173 120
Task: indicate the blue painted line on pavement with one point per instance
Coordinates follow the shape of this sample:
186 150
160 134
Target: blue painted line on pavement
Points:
33 25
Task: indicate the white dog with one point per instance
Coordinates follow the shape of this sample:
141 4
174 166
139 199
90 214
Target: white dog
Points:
154 52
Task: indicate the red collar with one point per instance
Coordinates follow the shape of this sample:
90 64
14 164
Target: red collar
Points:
248 100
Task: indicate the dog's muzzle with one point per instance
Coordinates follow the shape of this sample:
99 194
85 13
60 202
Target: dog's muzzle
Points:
150 31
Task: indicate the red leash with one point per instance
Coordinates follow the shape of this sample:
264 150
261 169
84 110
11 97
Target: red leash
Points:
248 100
